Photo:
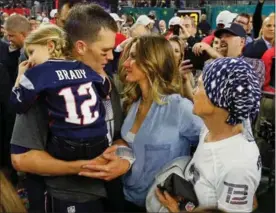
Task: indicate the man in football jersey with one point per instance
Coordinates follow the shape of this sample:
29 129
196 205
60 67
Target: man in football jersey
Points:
93 46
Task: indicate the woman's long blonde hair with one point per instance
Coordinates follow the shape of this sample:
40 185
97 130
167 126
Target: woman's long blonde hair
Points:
9 200
49 33
181 44
154 56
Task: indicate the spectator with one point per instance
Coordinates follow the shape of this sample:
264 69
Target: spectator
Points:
155 27
257 48
244 20
6 121
156 114
33 23
221 109
269 84
130 20
204 26
125 30
162 27
146 21
224 19
17 28
178 49
174 27
117 19
233 42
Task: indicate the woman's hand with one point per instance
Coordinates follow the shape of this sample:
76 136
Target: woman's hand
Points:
114 168
185 69
168 201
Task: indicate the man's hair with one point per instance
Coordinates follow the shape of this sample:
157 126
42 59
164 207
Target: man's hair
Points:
70 3
85 21
17 23
245 15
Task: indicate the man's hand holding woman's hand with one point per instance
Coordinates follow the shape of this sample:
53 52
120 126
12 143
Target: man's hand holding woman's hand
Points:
114 167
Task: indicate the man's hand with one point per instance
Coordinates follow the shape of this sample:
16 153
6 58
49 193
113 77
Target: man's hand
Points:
168 201
183 32
198 48
113 169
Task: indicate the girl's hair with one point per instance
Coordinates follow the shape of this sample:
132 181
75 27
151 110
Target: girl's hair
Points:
49 33
9 200
181 44
159 67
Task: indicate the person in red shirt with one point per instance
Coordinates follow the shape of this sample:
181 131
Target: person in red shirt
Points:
268 61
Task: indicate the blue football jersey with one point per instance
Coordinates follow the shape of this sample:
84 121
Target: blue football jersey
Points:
73 93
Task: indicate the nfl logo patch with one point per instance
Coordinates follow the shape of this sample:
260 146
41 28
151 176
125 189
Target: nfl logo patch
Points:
71 209
189 206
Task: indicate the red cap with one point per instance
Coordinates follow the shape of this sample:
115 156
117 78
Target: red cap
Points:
119 39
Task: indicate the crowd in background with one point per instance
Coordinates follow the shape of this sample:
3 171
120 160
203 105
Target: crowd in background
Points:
177 89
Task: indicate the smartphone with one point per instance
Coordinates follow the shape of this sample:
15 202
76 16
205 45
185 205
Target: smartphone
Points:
176 29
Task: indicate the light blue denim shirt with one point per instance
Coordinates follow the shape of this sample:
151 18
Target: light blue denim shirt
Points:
166 133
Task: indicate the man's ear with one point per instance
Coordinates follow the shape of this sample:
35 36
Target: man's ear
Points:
80 47
243 42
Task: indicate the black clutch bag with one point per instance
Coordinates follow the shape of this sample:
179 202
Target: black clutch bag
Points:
184 190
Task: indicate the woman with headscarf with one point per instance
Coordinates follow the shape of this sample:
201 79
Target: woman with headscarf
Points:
226 168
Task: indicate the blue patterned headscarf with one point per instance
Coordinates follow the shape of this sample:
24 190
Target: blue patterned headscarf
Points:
232 84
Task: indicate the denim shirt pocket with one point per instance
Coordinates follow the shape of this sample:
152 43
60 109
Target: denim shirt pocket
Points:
156 156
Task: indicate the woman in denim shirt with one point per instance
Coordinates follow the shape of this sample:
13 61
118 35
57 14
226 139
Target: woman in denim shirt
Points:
159 125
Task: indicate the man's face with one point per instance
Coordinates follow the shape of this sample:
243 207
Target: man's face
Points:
162 26
269 28
98 53
15 38
34 24
231 44
203 17
243 21
187 23
62 16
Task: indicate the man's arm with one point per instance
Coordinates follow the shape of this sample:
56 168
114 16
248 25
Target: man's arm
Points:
257 18
28 144
41 163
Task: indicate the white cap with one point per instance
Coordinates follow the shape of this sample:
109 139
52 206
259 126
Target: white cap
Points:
53 13
45 20
225 17
116 17
39 18
175 21
144 20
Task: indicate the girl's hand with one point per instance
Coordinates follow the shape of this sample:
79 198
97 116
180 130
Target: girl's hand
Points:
23 66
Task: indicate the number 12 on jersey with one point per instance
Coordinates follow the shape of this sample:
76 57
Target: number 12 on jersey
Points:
85 108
